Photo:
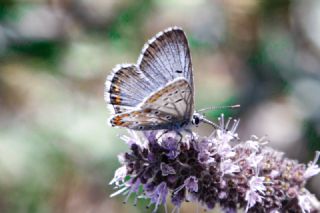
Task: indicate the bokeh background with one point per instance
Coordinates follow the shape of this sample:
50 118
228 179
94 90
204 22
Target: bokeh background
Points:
57 153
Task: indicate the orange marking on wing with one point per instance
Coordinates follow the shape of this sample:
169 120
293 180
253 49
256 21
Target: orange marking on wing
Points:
147 110
136 113
166 90
118 120
117 100
116 88
154 97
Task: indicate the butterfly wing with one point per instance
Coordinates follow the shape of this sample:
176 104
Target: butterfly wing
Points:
169 108
164 58
126 87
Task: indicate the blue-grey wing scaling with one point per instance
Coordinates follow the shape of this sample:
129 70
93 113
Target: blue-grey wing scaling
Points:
126 87
166 57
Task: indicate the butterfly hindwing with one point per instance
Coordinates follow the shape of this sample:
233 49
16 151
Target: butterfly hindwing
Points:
174 98
170 108
147 119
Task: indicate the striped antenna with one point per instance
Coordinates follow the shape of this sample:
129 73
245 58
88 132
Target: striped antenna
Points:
219 107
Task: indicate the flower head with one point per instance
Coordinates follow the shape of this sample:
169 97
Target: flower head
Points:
215 170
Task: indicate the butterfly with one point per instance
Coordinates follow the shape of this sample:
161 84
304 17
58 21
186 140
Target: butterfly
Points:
158 91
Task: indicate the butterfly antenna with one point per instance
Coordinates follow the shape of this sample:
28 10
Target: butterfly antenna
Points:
219 107
204 120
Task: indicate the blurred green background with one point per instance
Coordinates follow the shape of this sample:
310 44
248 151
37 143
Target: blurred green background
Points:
57 152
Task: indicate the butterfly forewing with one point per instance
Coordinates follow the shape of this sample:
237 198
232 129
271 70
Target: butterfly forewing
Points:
166 57
168 108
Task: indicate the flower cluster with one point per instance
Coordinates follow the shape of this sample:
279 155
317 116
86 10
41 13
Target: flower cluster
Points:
214 170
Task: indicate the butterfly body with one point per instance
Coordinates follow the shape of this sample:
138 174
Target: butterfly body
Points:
157 92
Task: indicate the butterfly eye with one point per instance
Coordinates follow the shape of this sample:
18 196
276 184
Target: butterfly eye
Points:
195 120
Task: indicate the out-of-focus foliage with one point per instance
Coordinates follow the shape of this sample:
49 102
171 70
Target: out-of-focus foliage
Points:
57 152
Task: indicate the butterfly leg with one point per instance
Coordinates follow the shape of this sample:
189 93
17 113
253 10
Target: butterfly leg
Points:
163 133
180 135
191 134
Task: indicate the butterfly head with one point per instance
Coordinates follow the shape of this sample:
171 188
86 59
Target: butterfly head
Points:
199 116
196 118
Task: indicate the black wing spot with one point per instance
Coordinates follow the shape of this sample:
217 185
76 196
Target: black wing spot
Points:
169 117
156 112
176 92
140 127
178 71
178 100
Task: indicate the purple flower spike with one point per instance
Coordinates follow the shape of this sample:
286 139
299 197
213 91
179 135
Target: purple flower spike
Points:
219 170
